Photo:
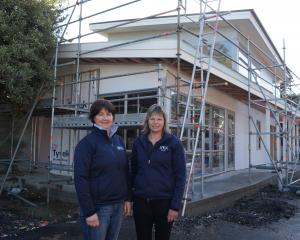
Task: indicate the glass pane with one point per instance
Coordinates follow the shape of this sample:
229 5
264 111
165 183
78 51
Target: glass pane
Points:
218 139
146 103
230 124
218 118
118 102
207 114
150 93
231 152
207 139
218 161
214 162
207 163
173 105
132 105
225 53
231 138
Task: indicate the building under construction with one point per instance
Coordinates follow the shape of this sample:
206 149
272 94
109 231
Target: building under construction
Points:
225 88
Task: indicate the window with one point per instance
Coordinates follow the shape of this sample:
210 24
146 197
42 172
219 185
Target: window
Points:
133 102
118 102
273 141
173 105
258 138
146 100
214 138
230 142
86 88
216 123
140 102
182 104
224 53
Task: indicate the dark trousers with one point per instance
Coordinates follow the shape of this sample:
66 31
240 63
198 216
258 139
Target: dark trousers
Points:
147 213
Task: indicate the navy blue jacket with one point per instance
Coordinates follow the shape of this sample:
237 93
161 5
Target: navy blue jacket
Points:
101 171
159 171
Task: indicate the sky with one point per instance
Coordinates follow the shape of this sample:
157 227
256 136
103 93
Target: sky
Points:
279 18
281 21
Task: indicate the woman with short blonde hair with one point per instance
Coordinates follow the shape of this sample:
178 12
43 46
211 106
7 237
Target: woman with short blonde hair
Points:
155 108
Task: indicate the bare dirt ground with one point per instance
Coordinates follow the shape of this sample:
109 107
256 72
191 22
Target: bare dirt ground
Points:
268 214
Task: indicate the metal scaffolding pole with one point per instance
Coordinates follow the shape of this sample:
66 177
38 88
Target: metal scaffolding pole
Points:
178 74
52 121
284 131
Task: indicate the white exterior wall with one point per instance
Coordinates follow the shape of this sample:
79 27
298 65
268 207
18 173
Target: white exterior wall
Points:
128 83
267 81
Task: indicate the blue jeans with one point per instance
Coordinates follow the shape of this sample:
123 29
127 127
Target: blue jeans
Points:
110 218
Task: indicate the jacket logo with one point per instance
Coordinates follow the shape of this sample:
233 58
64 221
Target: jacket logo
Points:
120 148
163 148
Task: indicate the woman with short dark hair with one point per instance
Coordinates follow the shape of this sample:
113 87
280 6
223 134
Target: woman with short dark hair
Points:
158 177
101 173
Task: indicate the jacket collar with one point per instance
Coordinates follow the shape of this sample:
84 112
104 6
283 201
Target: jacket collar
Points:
113 130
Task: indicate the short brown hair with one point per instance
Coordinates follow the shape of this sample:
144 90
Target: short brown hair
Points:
98 105
155 108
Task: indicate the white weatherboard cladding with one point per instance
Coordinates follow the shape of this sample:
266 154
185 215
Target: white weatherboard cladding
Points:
133 36
128 83
164 46
266 81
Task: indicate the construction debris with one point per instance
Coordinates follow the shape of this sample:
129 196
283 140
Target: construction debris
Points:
20 221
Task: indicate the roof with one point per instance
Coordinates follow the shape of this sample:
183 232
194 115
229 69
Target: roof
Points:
245 21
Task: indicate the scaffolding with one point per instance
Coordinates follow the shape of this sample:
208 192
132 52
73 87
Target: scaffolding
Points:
277 106
181 86
284 117
197 113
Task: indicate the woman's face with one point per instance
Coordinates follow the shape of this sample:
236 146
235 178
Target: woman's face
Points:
156 123
104 119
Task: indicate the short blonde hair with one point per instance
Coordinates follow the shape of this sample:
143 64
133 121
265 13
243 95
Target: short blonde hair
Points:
155 108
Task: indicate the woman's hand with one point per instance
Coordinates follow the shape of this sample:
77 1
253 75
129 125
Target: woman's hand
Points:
172 215
93 220
127 208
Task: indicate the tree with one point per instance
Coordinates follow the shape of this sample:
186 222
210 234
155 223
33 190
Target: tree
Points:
27 40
